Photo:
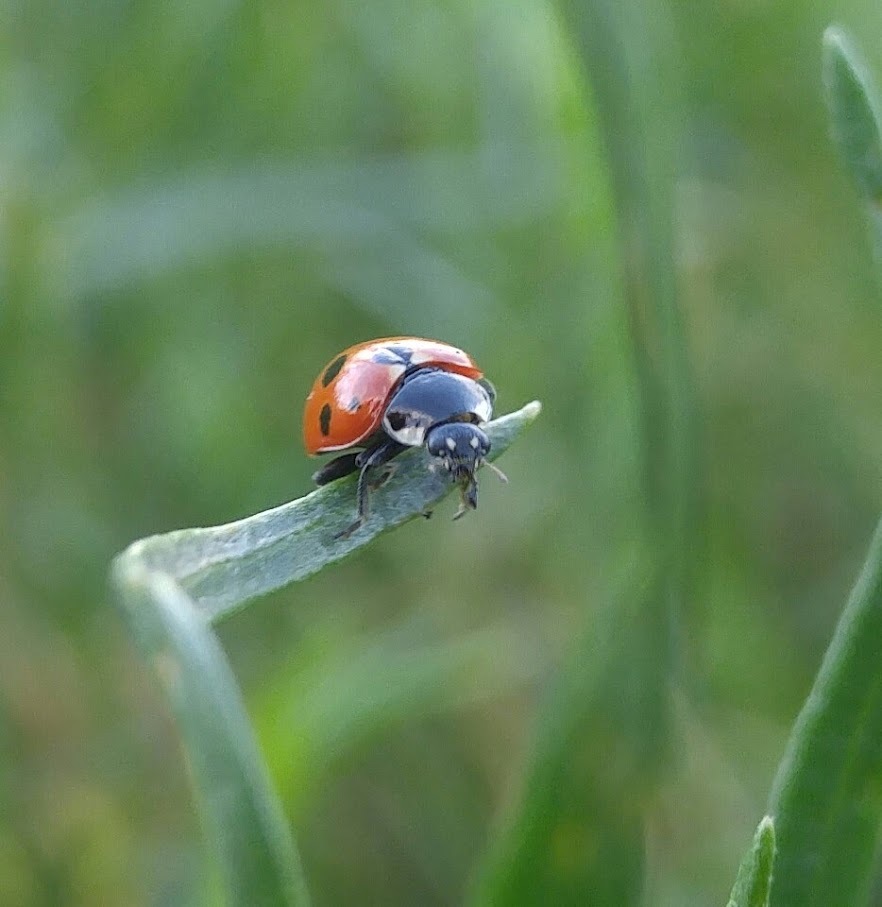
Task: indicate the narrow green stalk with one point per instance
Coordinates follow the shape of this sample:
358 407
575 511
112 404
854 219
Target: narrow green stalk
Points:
256 858
827 796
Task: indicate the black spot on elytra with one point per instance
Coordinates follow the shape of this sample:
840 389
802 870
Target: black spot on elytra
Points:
332 371
325 420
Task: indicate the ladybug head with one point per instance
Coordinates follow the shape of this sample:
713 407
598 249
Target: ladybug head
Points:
460 448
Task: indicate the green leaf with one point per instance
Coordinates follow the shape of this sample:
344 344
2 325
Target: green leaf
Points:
256 858
753 884
171 587
222 568
827 796
853 108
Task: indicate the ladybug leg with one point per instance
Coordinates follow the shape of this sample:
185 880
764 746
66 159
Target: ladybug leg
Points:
468 494
370 459
366 460
382 476
336 469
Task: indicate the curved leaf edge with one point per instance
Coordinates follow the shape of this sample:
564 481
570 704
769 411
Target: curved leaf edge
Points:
255 855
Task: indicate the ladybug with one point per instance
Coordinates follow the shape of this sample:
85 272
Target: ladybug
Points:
383 396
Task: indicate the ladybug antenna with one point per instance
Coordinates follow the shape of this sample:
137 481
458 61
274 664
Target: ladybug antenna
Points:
495 469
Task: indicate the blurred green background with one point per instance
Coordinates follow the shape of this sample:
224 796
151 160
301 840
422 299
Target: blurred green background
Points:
201 204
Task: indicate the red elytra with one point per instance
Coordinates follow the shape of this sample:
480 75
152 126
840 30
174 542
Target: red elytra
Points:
349 396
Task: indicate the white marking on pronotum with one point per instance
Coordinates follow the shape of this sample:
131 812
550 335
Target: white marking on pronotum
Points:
474 442
451 444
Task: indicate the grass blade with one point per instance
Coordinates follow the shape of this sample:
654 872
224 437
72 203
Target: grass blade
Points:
257 861
854 111
826 797
222 568
753 884
853 107
171 587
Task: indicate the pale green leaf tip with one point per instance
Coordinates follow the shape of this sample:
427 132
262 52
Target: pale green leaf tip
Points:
838 49
753 885
853 109
834 38
841 59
